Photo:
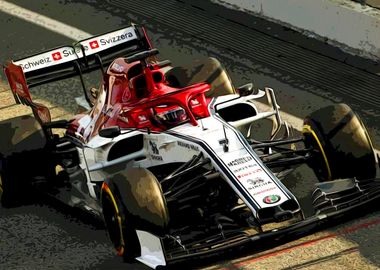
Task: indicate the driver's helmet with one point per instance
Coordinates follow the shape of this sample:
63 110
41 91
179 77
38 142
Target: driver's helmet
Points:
170 115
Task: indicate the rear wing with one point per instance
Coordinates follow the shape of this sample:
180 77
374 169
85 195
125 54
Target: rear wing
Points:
68 61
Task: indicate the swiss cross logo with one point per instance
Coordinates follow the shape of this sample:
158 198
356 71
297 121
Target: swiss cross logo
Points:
94 44
56 56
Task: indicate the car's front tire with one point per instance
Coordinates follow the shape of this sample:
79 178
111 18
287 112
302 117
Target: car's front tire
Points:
132 200
342 146
119 227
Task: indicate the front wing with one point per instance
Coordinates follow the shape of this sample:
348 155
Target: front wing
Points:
344 198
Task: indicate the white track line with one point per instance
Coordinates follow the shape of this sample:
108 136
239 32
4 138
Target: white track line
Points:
43 21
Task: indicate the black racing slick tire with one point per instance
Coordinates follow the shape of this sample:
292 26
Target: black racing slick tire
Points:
15 179
10 194
341 144
208 70
21 149
119 226
133 200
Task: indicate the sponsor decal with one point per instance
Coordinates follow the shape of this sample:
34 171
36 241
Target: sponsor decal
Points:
142 118
66 54
56 56
264 191
156 157
270 199
118 68
256 183
70 51
109 40
116 39
188 146
245 167
94 44
154 148
258 170
34 63
239 161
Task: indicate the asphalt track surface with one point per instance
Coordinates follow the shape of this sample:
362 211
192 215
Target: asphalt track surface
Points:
47 235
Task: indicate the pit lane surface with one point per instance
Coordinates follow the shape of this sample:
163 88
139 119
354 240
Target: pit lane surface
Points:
52 237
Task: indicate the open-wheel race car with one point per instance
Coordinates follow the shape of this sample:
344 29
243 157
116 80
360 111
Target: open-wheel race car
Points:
169 157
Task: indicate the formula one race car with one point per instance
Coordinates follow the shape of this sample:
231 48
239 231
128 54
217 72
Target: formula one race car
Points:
169 157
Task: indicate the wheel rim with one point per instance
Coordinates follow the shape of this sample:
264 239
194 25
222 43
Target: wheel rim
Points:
113 219
308 130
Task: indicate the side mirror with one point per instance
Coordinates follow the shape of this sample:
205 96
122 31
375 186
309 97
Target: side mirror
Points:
110 132
246 90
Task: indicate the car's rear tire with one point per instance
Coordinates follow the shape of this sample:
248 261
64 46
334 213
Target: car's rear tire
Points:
343 148
12 193
133 200
17 173
21 157
208 70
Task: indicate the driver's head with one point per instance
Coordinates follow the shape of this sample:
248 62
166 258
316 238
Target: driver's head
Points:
172 116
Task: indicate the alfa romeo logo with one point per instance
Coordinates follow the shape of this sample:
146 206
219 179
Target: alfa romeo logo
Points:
271 199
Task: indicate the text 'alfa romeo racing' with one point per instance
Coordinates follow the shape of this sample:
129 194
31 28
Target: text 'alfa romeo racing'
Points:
169 157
